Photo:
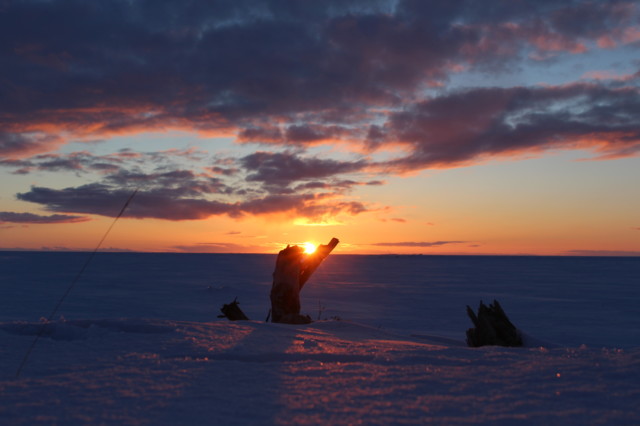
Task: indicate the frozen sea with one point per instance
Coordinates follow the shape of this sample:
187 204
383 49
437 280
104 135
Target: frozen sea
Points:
138 341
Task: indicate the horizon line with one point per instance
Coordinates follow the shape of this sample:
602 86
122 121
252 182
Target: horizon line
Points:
595 253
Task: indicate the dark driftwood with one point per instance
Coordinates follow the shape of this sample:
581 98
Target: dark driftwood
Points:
293 269
492 327
314 260
232 311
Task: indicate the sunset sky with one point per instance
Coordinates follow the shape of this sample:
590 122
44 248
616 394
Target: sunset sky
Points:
444 127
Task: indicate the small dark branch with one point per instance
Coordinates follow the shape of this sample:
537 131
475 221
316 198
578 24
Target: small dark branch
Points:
233 312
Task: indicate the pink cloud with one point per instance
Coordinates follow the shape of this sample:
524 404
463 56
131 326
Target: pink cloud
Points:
606 42
469 126
16 145
608 75
631 35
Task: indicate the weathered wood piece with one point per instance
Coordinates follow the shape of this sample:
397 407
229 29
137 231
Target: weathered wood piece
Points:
293 270
233 312
315 259
492 327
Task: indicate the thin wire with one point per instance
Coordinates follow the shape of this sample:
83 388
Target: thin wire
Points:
73 283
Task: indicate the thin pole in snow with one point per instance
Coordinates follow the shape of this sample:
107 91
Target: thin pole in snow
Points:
73 283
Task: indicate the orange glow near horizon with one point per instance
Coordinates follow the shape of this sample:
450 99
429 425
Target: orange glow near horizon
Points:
472 211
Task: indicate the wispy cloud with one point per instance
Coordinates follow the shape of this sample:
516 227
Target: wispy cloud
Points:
216 248
278 170
418 243
31 218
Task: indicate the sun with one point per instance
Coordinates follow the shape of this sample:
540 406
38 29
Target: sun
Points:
309 248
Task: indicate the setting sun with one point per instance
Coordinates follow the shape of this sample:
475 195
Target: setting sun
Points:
309 247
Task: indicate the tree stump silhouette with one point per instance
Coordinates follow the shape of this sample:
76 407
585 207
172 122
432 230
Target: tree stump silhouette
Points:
492 327
293 269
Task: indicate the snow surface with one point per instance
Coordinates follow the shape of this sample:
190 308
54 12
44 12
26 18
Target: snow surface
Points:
138 342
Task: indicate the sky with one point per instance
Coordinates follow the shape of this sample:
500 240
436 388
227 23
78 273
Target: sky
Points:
446 127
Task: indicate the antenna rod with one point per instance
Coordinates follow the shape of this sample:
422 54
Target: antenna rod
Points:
73 283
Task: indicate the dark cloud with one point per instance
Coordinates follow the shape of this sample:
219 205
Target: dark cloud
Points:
258 184
223 170
22 144
125 166
335 185
285 168
320 212
76 162
58 163
296 134
102 200
320 70
309 133
592 20
314 185
418 243
476 123
263 134
22 167
30 218
168 204
180 182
